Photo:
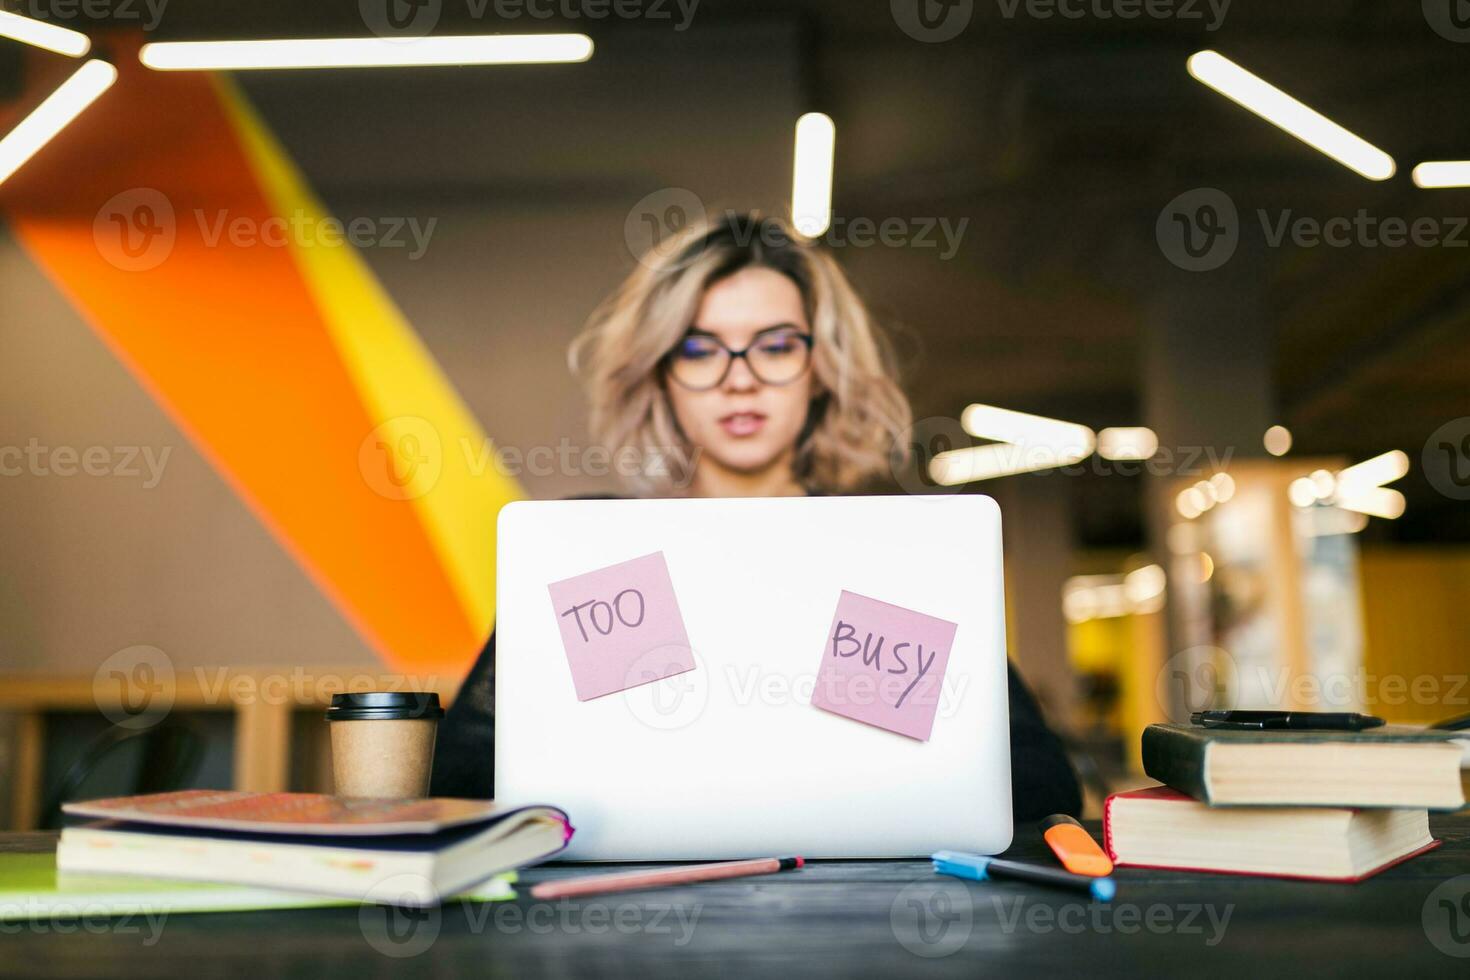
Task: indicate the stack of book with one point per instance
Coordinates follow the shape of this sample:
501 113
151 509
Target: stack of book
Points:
1327 805
400 852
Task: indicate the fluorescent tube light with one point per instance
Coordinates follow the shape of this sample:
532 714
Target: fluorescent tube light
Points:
1375 472
367 52
999 459
1005 425
1298 119
1023 444
52 115
1127 442
811 178
40 34
1374 501
1442 173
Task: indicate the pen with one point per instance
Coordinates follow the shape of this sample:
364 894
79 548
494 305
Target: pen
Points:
626 881
976 867
1332 721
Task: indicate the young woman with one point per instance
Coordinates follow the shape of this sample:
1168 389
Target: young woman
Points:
740 360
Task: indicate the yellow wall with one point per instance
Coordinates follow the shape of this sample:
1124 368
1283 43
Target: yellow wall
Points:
1414 613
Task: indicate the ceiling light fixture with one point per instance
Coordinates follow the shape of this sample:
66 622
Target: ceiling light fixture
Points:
367 52
69 100
1361 488
1298 119
1358 488
811 177
1442 173
1022 443
1277 440
1127 442
40 34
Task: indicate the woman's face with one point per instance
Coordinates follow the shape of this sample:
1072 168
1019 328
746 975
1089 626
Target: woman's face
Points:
742 423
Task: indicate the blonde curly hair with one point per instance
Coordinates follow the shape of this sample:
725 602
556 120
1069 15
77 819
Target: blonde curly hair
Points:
857 412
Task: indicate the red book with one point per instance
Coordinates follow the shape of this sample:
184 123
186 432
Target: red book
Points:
1160 827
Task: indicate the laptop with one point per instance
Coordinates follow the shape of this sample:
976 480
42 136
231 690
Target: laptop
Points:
733 758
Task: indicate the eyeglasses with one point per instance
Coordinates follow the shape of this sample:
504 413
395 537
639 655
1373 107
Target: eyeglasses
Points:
776 356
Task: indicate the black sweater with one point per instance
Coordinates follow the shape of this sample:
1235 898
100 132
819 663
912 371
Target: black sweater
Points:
1042 781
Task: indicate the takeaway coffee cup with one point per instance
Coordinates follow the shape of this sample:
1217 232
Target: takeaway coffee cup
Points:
383 742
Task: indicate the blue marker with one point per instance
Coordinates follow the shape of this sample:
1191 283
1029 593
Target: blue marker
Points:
977 867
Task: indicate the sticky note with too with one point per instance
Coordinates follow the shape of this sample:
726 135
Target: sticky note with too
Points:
621 626
884 665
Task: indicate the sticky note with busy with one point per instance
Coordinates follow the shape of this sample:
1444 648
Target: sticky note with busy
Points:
883 665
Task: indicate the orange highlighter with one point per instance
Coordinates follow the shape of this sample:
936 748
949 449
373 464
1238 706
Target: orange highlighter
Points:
1074 846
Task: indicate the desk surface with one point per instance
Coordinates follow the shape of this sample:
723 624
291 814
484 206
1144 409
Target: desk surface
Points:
846 918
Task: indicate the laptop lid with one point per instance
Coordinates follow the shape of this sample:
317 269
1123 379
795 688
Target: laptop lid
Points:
732 758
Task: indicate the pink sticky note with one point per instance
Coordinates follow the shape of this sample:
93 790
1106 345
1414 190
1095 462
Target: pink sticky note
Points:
621 626
883 665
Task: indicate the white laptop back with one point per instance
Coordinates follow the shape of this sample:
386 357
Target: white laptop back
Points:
731 759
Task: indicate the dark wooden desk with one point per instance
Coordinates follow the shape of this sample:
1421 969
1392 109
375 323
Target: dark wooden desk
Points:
850 918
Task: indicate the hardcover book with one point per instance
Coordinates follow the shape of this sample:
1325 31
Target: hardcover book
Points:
1391 766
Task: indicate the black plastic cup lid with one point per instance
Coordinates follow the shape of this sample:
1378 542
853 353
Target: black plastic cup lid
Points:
384 706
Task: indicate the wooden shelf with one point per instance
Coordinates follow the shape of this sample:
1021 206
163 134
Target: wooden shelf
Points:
262 700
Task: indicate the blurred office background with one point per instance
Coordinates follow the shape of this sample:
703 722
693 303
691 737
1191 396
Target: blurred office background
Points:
245 465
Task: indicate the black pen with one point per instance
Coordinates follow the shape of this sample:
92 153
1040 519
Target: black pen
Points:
1301 721
977 867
